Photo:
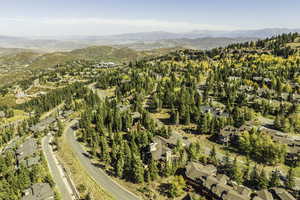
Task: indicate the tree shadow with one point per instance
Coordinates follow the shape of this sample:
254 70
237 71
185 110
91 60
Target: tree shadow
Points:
163 189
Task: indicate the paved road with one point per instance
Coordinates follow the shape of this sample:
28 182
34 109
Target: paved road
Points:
116 190
56 171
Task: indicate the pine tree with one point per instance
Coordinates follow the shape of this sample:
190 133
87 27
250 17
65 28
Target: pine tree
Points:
176 186
177 118
226 163
290 182
213 156
254 177
275 179
153 170
137 169
263 180
236 172
120 166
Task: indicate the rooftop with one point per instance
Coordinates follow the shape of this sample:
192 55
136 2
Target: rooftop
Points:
39 191
28 148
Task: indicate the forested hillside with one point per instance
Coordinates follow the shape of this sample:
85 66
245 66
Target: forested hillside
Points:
233 111
241 101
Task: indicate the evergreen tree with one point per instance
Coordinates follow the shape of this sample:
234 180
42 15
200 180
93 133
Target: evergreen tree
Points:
263 180
137 169
290 179
213 156
176 186
236 173
275 179
153 170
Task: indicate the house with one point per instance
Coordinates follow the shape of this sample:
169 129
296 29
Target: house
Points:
39 191
197 172
27 149
41 126
282 194
161 148
244 191
232 195
216 186
159 151
31 161
217 112
234 78
210 182
226 134
222 178
226 192
263 195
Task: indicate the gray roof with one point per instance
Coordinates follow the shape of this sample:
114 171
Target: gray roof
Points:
245 191
158 149
32 161
161 145
28 148
282 194
232 195
222 178
264 195
221 189
39 191
196 170
210 182
43 124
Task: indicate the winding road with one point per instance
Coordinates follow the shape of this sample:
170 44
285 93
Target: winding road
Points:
98 175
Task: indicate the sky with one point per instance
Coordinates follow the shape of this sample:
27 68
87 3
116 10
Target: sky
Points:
106 17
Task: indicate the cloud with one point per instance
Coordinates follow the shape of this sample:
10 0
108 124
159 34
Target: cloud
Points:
137 23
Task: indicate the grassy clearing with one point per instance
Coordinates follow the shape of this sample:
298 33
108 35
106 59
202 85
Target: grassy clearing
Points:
106 93
294 45
8 100
18 115
78 174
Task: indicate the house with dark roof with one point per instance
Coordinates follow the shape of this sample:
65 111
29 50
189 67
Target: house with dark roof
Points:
39 191
226 134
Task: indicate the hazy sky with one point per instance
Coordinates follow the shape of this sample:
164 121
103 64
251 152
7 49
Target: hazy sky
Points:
102 17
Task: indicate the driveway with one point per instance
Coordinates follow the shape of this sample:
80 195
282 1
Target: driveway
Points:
101 178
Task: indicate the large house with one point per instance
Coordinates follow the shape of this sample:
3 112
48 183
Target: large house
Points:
263 195
216 185
282 194
27 149
39 191
219 187
162 148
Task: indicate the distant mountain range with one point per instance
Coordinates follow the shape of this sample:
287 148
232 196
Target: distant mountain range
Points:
204 39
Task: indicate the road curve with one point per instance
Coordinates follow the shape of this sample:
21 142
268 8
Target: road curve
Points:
114 189
56 172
